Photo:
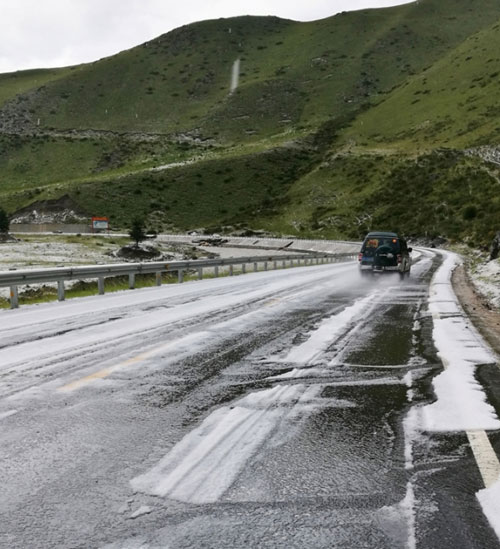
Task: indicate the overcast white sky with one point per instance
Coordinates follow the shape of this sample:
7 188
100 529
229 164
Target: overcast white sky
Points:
55 33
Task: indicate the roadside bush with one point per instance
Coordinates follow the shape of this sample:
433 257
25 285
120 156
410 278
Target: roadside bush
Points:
137 232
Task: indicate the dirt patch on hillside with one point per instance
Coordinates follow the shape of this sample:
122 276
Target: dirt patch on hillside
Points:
483 316
60 210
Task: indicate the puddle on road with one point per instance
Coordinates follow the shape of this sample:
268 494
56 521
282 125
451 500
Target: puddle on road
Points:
334 451
389 340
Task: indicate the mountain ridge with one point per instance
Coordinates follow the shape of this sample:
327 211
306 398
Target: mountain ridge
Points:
341 85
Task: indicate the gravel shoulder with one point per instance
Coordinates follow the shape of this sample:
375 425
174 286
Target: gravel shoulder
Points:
484 316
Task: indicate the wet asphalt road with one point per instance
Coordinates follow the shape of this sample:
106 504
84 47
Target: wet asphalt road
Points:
237 425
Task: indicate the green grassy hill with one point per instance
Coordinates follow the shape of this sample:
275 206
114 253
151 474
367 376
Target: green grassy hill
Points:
454 103
328 116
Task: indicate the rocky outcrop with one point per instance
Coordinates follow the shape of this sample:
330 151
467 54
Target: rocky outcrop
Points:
62 210
487 153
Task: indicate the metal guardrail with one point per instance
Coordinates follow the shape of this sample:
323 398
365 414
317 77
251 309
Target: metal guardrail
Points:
15 278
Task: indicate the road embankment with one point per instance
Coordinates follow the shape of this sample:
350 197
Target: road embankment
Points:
484 318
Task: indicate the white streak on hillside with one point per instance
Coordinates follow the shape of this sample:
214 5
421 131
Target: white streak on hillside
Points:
235 75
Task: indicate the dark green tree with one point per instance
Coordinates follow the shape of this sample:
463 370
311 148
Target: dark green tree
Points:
137 232
4 222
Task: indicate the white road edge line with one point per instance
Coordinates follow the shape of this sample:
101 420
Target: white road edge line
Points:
486 458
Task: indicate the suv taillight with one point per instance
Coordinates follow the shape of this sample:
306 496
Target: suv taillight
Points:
360 256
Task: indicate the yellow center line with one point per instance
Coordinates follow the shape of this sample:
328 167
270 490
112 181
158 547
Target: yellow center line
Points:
135 360
108 371
273 301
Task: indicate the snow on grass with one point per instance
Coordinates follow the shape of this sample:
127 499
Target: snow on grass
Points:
235 75
486 278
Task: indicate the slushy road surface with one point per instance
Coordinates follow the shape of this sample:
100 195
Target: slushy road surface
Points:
286 409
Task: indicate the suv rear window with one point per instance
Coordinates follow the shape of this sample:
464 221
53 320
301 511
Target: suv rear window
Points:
374 242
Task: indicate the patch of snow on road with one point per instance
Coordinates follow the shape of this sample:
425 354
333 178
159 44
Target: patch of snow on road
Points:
489 498
398 521
143 510
327 332
411 426
461 402
206 462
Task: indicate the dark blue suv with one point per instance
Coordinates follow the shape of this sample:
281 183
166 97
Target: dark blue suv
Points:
384 252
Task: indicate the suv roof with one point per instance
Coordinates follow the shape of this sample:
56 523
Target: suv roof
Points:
382 233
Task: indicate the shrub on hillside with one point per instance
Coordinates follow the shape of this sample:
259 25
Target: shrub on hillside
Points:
469 212
4 221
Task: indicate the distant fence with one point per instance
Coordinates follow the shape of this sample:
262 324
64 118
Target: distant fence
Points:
14 278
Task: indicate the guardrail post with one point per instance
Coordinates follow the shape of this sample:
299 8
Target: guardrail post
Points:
131 281
243 268
180 275
100 285
60 290
158 279
283 264
216 271
255 267
231 270
275 265
14 298
200 273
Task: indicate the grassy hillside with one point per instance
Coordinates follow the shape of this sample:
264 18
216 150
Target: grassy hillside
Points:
441 193
17 83
454 103
328 117
294 73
